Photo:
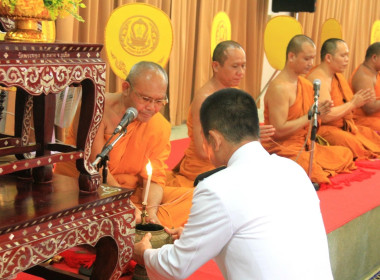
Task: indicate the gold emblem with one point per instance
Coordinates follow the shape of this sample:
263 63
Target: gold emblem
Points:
139 36
220 30
375 32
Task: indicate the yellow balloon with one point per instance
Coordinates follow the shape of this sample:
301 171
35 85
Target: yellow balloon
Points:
277 34
331 28
375 32
220 30
137 32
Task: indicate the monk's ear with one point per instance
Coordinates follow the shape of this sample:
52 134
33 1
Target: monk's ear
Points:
215 66
291 56
125 86
215 139
328 57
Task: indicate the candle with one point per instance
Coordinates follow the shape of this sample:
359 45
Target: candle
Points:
147 186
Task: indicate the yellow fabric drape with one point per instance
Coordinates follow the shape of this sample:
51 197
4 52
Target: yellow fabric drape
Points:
356 18
189 66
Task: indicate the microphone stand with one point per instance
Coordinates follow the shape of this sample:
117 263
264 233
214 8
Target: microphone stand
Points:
313 115
102 158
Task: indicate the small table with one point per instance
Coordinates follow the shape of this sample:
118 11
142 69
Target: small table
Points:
39 71
41 220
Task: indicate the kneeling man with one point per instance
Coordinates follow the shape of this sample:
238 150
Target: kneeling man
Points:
259 217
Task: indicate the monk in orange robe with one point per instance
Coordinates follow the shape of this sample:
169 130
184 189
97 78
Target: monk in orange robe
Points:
338 127
228 67
367 75
287 102
147 138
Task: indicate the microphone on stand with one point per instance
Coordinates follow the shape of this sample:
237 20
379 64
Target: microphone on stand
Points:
129 116
316 87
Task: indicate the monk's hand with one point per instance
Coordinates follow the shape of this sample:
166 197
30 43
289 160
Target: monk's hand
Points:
175 233
140 247
266 132
362 97
325 107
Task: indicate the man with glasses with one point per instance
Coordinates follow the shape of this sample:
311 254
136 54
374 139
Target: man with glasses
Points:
147 139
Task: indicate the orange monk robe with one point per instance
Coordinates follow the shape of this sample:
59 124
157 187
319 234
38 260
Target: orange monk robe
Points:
191 165
360 117
144 141
327 160
363 141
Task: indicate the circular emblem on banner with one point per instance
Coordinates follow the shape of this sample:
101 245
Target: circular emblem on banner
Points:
137 32
139 36
331 29
221 29
277 34
375 32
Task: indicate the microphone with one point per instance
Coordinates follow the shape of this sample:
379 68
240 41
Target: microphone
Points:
129 116
316 87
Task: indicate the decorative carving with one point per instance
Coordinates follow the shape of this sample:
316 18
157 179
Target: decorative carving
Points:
39 242
48 69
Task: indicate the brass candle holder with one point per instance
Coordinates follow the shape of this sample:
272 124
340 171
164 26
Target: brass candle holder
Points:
159 238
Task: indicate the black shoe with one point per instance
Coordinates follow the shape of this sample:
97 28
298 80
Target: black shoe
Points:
316 186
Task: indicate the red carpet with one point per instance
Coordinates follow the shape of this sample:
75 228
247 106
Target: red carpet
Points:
341 202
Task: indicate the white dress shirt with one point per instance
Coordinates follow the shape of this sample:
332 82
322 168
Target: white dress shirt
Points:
259 218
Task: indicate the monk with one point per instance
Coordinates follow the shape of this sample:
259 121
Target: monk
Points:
147 138
338 126
228 66
367 76
287 101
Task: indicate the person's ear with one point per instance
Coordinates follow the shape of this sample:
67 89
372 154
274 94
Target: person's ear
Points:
215 139
125 85
291 56
215 66
328 57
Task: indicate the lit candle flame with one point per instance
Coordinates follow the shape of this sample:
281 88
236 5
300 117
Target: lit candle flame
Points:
149 168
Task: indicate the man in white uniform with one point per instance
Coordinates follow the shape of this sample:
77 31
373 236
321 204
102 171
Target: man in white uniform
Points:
259 218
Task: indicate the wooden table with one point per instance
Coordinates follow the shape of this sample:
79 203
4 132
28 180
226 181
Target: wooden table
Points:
40 220
39 71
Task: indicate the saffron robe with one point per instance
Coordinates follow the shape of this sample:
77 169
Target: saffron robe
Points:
327 160
191 165
363 141
360 117
143 141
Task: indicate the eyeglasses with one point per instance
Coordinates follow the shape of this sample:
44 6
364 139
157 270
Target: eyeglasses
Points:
148 100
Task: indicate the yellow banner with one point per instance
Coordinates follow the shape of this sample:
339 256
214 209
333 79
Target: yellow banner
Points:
220 30
137 32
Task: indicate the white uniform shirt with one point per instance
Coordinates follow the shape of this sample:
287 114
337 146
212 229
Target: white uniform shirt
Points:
259 219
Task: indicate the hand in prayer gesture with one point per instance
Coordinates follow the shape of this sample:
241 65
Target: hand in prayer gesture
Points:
362 97
266 132
325 107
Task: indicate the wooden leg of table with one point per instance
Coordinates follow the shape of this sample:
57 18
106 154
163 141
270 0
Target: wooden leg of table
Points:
106 259
88 183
